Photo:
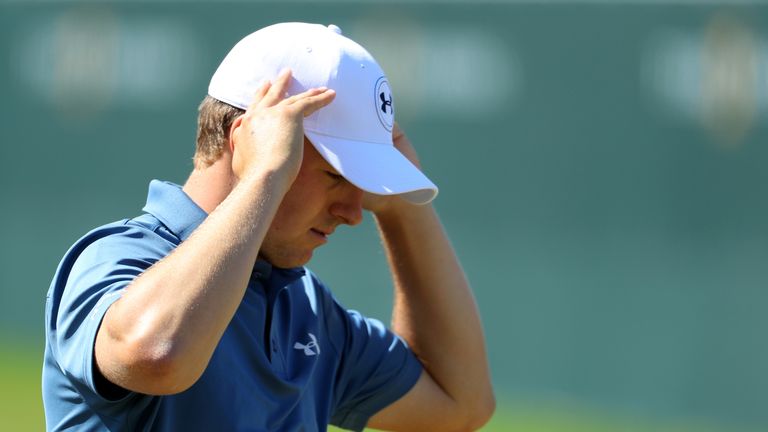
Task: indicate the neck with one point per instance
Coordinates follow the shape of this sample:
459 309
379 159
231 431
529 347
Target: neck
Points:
209 186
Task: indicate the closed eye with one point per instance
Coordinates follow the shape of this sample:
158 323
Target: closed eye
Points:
336 177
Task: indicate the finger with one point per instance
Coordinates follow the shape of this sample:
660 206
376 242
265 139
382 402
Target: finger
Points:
276 92
310 104
397 132
297 97
258 95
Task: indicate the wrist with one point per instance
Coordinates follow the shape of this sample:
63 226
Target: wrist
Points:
399 210
277 179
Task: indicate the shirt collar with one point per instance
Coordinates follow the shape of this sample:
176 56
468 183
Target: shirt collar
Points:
262 269
175 209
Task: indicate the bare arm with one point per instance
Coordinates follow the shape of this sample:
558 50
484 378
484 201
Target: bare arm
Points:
435 311
159 337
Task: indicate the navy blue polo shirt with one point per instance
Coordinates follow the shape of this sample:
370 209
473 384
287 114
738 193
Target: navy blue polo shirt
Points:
291 359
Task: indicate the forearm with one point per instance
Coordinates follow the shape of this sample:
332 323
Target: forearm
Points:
159 337
434 309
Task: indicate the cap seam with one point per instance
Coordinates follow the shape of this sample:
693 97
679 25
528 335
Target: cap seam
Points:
349 139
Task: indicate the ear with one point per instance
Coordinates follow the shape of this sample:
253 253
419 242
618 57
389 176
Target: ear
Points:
232 132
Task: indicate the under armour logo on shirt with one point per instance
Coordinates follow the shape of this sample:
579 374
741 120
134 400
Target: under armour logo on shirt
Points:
311 348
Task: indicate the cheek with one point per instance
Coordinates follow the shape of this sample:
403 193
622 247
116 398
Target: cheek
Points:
297 212
284 220
305 203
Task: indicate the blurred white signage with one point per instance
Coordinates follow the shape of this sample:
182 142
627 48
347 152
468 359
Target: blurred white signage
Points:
717 77
89 59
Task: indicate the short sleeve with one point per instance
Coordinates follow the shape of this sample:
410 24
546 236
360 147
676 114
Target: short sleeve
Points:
90 279
376 369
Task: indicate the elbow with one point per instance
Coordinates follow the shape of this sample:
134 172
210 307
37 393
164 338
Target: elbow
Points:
147 365
159 369
476 415
482 412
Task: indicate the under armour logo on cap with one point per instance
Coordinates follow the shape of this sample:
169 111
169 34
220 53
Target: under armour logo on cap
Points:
384 107
386 102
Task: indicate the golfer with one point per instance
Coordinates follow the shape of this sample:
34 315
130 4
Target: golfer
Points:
199 315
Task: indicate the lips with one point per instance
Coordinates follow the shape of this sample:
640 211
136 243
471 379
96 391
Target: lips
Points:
322 233
325 232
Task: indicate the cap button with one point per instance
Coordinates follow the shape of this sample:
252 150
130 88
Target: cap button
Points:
334 28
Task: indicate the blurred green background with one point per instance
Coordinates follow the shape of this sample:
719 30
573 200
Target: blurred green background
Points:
602 170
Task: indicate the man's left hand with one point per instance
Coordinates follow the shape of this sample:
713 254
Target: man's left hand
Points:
380 204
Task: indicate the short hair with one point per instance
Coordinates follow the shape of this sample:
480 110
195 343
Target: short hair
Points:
214 120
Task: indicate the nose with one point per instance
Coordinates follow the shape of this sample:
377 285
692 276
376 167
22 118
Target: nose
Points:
349 206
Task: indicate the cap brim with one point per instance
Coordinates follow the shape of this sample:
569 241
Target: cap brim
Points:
376 168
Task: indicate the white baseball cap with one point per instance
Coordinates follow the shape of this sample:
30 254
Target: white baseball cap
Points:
354 132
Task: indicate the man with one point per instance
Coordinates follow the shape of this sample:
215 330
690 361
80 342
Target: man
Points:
199 314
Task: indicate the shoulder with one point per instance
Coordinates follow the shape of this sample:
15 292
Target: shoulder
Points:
141 235
131 243
350 330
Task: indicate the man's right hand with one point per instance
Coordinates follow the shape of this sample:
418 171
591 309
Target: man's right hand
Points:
269 137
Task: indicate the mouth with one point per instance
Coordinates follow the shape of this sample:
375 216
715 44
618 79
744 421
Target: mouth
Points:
323 235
